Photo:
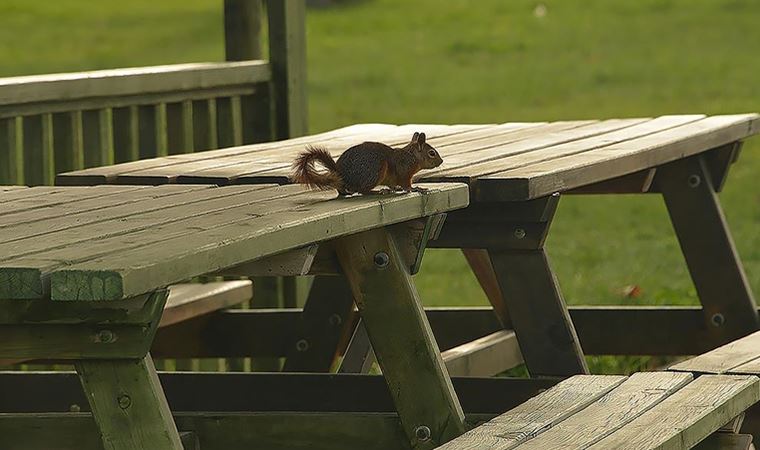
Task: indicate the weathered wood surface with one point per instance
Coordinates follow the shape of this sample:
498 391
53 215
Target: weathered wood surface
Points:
740 356
134 243
542 412
128 404
400 334
707 246
512 161
656 410
190 300
132 81
688 416
639 393
487 356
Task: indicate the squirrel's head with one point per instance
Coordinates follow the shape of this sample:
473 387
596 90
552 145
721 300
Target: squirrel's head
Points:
426 154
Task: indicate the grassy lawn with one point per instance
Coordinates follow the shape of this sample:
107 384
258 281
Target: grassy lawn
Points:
466 62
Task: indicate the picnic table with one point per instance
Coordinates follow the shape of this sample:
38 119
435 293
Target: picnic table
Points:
84 273
516 173
117 235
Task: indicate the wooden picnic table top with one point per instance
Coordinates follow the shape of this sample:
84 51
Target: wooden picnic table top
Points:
500 162
113 242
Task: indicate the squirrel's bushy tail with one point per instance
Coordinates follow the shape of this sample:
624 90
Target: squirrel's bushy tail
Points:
304 171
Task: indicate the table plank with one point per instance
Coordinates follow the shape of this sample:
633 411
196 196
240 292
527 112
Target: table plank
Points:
538 414
275 165
244 238
638 128
458 155
128 218
688 416
59 215
62 197
100 175
612 161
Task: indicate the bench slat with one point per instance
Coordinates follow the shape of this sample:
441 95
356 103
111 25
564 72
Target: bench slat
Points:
639 393
740 356
538 414
688 416
191 300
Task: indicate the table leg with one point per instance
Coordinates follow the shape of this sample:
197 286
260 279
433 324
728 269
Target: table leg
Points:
406 350
539 315
128 404
324 322
716 270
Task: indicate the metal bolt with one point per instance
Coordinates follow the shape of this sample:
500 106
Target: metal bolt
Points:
105 336
382 259
717 319
302 345
124 401
519 233
694 180
74 408
422 433
335 320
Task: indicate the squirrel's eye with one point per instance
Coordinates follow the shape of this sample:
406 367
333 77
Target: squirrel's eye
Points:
431 153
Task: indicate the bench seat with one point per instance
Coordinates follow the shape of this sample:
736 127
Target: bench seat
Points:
647 410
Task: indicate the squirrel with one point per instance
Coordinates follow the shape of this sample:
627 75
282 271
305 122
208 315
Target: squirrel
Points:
367 165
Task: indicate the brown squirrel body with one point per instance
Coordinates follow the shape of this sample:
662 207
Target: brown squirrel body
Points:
365 166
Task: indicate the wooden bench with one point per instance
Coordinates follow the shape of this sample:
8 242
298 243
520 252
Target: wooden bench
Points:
740 357
654 410
83 277
517 173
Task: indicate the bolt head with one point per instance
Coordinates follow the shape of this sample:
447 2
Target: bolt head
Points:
520 233
74 408
335 320
105 336
694 180
422 433
302 345
124 401
717 320
381 259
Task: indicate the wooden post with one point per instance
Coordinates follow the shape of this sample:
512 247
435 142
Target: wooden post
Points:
406 350
547 338
287 55
128 404
242 29
729 307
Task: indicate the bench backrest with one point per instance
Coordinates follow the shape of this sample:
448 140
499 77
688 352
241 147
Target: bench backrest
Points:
61 122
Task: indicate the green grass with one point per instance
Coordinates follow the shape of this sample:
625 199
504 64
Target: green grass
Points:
461 61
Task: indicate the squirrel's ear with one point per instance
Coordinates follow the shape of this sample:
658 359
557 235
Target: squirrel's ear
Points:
415 137
421 139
